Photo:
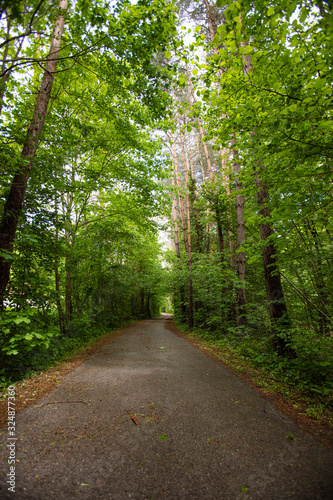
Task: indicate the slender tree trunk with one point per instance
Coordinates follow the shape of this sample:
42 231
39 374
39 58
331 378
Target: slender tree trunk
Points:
277 305
174 211
142 302
181 204
202 135
319 277
189 261
240 240
240 233
200 160
67 209
56 271
193 197
176 236
68 293
14 203
148 305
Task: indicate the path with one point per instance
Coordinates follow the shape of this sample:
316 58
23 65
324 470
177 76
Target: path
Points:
202 433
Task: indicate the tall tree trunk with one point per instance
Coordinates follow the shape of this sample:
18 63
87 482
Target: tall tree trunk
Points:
181 204
240 233
67 209
193 197
189 261
68 293
56 272
176 236
225 154
174 212
277 305
318 277
200 159
240 240
202 135
148 305
14 203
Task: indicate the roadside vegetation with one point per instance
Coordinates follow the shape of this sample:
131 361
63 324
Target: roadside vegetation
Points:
250 142
81 193
211 121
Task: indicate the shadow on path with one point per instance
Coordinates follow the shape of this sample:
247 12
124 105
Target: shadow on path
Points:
149 416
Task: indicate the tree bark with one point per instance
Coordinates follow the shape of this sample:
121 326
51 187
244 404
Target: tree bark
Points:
277 305
56 272
181 289
189 261
14 203
181 204
174 211
202 135
240 240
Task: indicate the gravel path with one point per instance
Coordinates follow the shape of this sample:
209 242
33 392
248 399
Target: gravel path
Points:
201 432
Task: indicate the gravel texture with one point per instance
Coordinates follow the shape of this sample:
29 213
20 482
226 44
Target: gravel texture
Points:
162 421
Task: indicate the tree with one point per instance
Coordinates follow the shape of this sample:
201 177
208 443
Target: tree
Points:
14 202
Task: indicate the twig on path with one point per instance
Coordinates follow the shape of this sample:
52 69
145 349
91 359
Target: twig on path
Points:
132 417
58 402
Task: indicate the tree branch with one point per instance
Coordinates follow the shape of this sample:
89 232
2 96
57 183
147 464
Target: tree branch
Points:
302 142
304 296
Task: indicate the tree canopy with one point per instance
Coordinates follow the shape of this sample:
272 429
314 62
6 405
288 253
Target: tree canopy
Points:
211 121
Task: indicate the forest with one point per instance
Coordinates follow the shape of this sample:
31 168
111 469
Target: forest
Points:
208 122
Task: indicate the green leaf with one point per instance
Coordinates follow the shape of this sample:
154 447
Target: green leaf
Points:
163 437
197 28
270 11
195 72
221 28
168 54
221 3
304 13
22 319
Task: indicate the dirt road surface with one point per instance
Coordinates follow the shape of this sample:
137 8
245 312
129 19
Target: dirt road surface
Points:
156 418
